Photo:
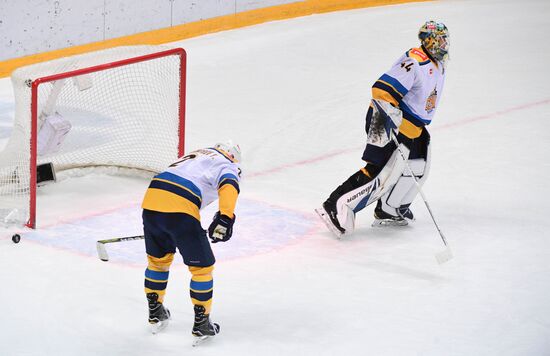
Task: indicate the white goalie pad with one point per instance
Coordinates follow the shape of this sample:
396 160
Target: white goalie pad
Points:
346 218
385 122
359 198
405 190
51 134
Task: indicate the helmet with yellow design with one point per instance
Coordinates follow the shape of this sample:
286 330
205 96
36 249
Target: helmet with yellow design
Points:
434 37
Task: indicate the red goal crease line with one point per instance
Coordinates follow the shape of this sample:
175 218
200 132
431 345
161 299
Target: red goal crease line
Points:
442 127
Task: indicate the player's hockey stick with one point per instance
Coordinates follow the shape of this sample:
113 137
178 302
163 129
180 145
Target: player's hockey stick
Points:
446 254
102 252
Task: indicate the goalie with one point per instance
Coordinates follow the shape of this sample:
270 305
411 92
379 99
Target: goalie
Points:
404 102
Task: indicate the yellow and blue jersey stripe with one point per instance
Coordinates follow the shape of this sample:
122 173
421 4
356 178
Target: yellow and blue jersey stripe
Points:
170 193
391 90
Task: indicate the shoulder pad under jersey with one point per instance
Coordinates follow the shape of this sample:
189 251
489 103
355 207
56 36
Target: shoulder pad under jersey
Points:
419 55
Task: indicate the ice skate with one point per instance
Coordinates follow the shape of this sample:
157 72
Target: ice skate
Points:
406 213
159 315
381 218
328 215
203 328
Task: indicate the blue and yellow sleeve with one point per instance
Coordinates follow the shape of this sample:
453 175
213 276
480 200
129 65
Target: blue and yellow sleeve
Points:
389 89
228 191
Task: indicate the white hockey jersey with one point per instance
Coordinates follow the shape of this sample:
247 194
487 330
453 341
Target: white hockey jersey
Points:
193 182
414 84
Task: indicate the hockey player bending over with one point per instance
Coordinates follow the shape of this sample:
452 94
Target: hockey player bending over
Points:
404 102
171 219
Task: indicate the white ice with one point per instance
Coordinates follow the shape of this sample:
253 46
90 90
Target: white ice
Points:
294 94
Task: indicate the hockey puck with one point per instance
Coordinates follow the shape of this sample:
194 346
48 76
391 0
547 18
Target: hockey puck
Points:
16 238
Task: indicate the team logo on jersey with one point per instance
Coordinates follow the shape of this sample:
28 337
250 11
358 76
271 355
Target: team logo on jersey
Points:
432 99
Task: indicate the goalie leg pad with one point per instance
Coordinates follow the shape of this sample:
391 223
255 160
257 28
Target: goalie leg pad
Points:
369 192
405 190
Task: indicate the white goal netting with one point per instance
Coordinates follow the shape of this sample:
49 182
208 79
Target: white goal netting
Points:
120 107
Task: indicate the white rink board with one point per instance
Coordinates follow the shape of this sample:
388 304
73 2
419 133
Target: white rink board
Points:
29 26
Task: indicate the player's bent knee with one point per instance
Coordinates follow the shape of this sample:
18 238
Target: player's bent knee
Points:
160 264
197 271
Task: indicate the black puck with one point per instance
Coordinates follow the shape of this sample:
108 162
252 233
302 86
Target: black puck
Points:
16 238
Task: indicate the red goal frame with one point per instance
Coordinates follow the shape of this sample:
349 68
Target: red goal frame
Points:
31 223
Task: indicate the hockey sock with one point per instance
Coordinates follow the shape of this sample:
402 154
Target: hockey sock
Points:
358 179
202 286
156 275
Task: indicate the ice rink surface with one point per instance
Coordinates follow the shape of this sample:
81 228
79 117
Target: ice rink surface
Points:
294 94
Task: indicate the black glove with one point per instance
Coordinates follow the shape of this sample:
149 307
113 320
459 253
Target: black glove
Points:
221 228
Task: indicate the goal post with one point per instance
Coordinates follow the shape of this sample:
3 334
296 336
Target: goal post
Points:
121 107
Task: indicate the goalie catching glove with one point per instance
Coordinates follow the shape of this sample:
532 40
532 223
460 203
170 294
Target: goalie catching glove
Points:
385 123
221 228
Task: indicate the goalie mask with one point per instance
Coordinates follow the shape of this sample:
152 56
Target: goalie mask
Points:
434 37
231 148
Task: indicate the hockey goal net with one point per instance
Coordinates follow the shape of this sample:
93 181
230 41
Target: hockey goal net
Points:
121 107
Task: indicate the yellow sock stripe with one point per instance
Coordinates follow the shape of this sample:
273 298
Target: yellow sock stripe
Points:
161 293
207 305
201 270
201 291
202 27
156 280
202 278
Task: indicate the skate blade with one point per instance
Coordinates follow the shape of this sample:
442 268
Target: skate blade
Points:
389 222
324 217
158 327
200 339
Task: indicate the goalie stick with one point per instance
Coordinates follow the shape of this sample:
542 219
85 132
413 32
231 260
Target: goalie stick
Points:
102 251
392 118
446 254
